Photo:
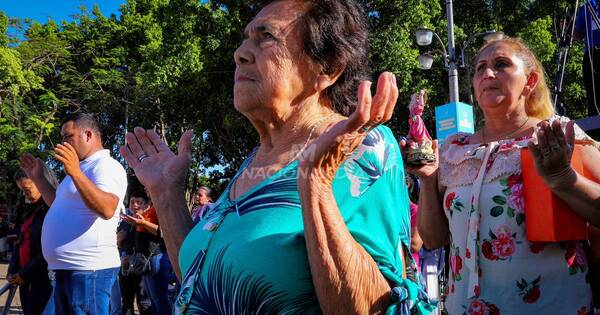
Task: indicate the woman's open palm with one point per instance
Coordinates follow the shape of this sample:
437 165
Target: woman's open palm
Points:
155 165
331 149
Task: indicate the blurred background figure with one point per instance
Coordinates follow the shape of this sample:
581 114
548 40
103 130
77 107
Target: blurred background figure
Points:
28 269
202 202
130 282
412 183
150 244
4 244
430 263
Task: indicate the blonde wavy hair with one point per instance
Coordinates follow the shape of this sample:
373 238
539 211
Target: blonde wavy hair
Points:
538 103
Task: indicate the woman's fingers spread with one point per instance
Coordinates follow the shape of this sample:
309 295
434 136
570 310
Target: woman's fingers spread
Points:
134 145
559 134
570 134
27 158
361 115
380 101
145 143
550 134
541 136
160 145
389 111
128 156
184 147
535 151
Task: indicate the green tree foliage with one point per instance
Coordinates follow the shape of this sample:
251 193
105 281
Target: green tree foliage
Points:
168 64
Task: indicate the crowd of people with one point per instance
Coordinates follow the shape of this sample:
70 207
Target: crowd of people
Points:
339 226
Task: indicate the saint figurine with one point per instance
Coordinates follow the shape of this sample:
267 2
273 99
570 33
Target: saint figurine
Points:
420 150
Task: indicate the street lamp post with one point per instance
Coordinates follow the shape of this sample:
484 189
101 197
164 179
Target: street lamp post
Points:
454 116
452 71
424 38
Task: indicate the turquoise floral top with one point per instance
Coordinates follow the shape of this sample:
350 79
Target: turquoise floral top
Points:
248 256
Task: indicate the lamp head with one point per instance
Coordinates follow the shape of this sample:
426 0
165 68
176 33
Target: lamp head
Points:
425 61
492 35
424 36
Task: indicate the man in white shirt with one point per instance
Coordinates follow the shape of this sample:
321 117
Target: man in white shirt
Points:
79 231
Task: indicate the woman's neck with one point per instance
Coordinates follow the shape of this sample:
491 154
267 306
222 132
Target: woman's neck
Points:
505 125
285 133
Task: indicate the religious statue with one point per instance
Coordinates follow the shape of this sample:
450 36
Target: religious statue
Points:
420 150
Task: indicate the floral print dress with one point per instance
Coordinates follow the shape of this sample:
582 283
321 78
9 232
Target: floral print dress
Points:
494 269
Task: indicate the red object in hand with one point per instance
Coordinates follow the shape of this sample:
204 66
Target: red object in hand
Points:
547 217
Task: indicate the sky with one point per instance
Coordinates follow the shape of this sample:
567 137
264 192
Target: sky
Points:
41 10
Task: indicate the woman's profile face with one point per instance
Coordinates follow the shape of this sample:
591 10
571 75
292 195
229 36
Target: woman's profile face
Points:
29 190
270 67
500 78
202 197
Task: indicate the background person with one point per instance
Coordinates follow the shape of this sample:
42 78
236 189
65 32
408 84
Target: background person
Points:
203 201
295 236
4 240
79 232
27 268
149 242
416 243
131 283
474 199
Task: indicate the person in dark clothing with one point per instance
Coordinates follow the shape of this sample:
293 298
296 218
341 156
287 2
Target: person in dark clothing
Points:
149 242
28 269
131 284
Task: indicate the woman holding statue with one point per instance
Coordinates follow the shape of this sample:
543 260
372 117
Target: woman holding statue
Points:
473 197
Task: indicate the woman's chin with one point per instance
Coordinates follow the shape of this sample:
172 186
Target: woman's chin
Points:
492 103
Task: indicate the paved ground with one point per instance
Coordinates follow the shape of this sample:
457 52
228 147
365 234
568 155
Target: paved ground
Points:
16 303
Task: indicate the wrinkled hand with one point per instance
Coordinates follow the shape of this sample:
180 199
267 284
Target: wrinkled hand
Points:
552 155
66 154
32 166
15 279
424 171
155 165
333 147
136 220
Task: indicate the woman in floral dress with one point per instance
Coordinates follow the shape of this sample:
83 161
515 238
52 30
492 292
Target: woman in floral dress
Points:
474 198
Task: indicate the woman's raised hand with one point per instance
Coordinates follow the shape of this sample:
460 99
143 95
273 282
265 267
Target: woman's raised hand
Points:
332 148
32 166
155 165
552 155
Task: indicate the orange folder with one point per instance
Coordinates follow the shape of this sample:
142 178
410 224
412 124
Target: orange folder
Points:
547 217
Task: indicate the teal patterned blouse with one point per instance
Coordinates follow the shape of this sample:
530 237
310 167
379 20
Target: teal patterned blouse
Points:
248 256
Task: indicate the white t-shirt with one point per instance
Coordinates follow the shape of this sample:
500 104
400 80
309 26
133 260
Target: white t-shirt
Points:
73 236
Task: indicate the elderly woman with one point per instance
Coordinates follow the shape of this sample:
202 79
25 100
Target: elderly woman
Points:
28 269
317 219
474 199
203 201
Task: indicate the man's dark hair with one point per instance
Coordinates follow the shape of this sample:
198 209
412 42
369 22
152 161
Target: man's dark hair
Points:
139 193
335 36
84 120
19 175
